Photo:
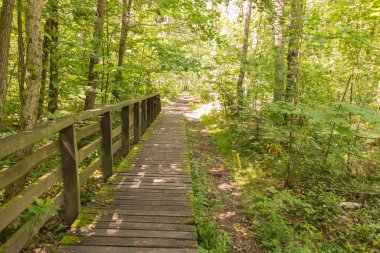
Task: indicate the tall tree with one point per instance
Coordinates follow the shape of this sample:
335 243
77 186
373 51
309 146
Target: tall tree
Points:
32 85
21 53
294 49
124 27
279 63
243 63
93 74
53 57
6 17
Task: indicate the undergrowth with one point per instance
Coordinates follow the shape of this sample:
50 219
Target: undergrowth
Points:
320 211
210 237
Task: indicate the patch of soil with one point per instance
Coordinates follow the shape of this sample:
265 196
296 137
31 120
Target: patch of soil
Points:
230 215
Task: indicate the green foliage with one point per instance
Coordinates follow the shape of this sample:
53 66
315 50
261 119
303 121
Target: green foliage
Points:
212 239
42 206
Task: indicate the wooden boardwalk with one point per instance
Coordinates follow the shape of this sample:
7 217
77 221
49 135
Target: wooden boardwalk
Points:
146 205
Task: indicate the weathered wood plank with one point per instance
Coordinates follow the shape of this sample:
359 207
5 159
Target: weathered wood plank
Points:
110 249
70 173
86 131
84 152
115 117
13 208
116 131
22 167
146 212
116 146
136 122
125 136
139 242
107 158
119 218
143 117
23 139
90 169
143 233
22 236
144 226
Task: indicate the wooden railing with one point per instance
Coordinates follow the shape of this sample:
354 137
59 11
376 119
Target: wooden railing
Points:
108 129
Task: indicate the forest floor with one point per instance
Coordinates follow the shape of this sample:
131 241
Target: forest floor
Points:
224 194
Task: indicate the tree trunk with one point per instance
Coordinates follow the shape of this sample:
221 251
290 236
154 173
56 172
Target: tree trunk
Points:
279 63
6 18
33 63
125 17
21 54
53 79
294 49
93 75
243 63
45 64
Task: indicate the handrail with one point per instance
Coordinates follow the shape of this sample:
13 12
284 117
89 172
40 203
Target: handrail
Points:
13 143
113 134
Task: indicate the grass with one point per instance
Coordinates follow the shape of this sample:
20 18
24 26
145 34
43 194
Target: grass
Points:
210 237
293 220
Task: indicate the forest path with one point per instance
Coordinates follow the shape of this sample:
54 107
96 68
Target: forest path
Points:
146 205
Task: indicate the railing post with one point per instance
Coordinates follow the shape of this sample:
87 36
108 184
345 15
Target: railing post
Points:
159 103
136 122
155 106
107 145
69 162
143 116
125 130
149 116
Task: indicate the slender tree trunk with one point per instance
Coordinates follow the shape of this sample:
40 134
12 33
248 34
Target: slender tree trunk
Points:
294 49
21 54
125 18
6 17
279 63
93 75
45 64
33 62
32 85
53 78
243 63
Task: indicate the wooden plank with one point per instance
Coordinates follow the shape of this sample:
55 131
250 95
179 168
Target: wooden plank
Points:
144 226
125 136
18 240
119 218
83 132
110 249
147 206
136 122
143 116
152 202
146 212
20 168
143 233
84 152
70 173
107 145
23 139
139 242
13 208
11 144
115 132
115 117
149 112
116 146
90 169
